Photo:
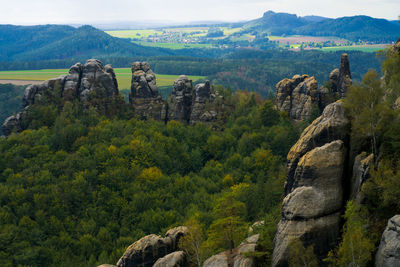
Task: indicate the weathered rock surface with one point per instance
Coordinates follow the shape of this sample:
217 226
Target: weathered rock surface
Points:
238 257
144 97
146 251
96 78
201 97
314 193
219 260
106 265
362 164
174 259
82 82
388 254
180 105
297 96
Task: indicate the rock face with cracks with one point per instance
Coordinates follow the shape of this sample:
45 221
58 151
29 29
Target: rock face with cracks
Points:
314 193
144 97
297 96
180 105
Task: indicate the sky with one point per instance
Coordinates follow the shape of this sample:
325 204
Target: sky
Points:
28 12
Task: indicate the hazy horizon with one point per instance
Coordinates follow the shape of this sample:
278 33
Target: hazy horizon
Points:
26 12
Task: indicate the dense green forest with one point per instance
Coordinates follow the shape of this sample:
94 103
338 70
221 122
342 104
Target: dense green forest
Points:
253 70
77 188
10 100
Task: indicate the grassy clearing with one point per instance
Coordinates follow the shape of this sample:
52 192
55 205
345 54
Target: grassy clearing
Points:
124 76
363 48
174 45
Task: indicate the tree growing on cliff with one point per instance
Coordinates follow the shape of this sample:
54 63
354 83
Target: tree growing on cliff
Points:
368 110
300 255
192 242
229 227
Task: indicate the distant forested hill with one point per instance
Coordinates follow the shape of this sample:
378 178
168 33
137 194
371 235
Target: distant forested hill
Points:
49 42
353 28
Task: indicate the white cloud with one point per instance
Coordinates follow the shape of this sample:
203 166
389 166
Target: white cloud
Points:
70 11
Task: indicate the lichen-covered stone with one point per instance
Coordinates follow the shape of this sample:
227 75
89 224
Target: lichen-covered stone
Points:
201 97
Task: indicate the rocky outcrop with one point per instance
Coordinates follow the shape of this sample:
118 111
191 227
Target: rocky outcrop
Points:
83 83
144 97
344 79
388 254
174 259
202 95
180 104
146 251
297 96
362 164
238 258
314 193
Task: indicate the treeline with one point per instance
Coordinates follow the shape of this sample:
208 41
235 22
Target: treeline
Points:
77 188
253 70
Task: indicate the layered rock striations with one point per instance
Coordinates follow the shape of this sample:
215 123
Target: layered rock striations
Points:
146 251
144 96
314 188
82 83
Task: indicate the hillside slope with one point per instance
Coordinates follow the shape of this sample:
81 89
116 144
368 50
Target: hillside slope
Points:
45 42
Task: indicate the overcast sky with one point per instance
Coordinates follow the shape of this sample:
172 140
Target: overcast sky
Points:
86 11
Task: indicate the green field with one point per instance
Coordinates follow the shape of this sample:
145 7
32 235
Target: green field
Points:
363 48
124 76
174 45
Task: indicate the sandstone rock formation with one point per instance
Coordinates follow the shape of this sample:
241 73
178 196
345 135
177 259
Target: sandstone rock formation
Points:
83 82
238 257
314 193
297 96
146 251
144 97
180 105
201 97
174 259
388 254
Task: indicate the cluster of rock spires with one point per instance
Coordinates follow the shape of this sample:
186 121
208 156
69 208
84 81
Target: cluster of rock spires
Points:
323 173
299 95
83 81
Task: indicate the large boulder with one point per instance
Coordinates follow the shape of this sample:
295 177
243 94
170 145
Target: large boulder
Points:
180 104
388 254
314 193
219 260
238 258
12 124
144 97
297 96
146 251
174 259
